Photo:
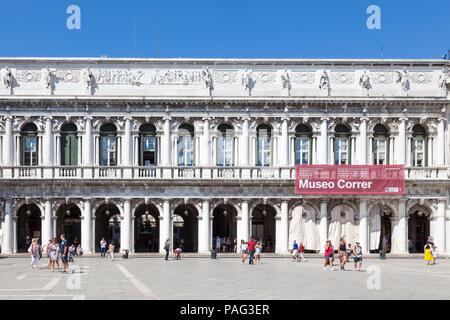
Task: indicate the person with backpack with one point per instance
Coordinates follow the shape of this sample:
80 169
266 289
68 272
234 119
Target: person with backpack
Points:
357 256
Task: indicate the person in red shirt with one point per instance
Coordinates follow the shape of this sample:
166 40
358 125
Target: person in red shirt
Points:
251 249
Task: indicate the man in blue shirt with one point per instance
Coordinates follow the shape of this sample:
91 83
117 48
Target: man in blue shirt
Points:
295 251
64 249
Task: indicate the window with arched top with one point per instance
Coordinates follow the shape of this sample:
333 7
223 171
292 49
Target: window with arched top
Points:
342 145
380 146
108 145
186 145
29 145
69 145
303 136
419 146
225 138
147 145
264 145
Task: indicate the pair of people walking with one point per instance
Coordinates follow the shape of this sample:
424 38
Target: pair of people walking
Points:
297 252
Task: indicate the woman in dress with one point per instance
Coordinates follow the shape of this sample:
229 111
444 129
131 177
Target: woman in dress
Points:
34 252
243 250
54 254
111 249
258 248
428 256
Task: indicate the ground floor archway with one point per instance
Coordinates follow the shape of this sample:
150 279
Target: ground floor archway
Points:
418 229
146 229
224 228
107 225
263 226
29 226
380 229
68 221
185 228
303 227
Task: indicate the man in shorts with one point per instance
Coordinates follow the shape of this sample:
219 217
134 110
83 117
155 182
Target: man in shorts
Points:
295 251
64 250
357 256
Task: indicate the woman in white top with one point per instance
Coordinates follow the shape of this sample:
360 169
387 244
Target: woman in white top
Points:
243 250
54 254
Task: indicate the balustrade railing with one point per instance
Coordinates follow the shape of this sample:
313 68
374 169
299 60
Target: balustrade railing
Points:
157 172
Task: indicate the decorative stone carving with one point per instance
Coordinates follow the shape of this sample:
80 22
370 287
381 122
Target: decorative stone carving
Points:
341 77
421 77
70 76
381 77
324 83
444 80
8 78
403 79
247 80
118 76
176 77
226 77
265 76
285 80
28 75
364 80
305 77
207 78
89 80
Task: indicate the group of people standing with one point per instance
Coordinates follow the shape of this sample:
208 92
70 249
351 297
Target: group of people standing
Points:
430 251
251 249
345 252
55 251
110 251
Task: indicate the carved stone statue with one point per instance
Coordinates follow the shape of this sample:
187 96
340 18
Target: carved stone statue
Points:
403 78
8 78
247 79
207 78
89 79
324 82
285 79
444 80
364 80
49 77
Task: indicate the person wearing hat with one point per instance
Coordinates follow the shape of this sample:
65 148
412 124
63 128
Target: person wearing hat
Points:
357 256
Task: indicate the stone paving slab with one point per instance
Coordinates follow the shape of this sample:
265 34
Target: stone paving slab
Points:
224 278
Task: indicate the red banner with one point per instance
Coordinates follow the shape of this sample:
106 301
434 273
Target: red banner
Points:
350 179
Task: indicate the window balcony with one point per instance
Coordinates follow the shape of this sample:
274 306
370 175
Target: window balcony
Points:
192 173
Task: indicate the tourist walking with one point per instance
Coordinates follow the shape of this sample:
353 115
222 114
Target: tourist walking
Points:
357 256
301 251
328 255
167 248
434 253
54 254
243 250
34 252
218 242
111 249
349 251
342 253
64 249
102 247
294 251
251 249
258 247
428 255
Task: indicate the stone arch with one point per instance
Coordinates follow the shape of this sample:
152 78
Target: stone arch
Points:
146 226
29 215
381 217
185 225
224 225
302 225
343 224
263 223
419 216
107 225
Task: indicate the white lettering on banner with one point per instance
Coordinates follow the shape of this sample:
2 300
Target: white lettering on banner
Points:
342 184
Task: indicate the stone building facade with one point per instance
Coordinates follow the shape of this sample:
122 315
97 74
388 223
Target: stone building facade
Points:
142 150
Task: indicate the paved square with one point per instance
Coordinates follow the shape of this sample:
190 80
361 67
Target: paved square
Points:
224 278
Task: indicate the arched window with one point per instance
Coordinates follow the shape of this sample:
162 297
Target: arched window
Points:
186 145
108 145
225 145
264 145
341 145
69 145
147 146
380 146
29 145
302 144
419 146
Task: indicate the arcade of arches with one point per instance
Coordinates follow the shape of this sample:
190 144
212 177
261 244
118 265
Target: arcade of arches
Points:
398 226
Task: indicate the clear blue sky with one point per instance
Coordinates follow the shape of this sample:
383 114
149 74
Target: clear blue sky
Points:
226 28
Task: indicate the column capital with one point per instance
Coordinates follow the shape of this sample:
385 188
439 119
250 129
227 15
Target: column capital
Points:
167 118
324 119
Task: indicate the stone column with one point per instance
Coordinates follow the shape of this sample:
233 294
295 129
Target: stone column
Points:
86 228
363 226
127 150
323 226
8 148
47 222
47 146
244 154
401 152
204 241
166 150
323 142
282 244
439 229
244 227
7 231
363 142
125 227
165 227
440 155
205 150
88 142
284 158
400 230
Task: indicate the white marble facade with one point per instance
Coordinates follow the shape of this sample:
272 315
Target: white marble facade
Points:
141 150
